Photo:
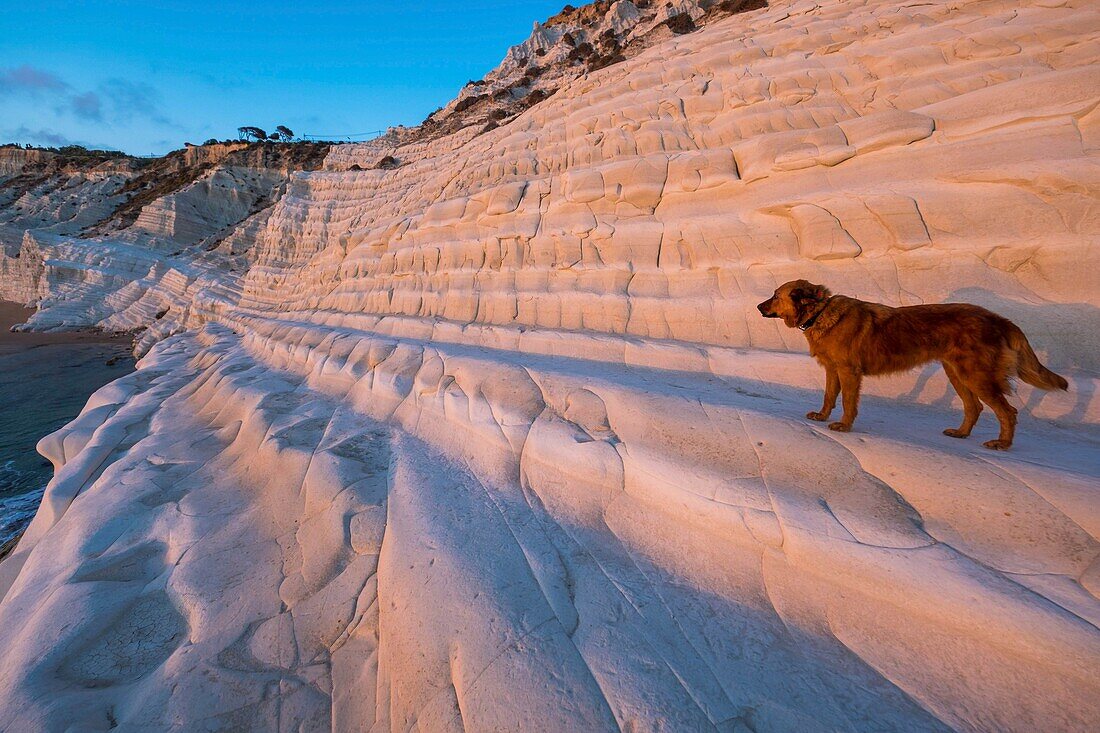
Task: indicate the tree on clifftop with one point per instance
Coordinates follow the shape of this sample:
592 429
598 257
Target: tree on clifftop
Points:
251 133
285 132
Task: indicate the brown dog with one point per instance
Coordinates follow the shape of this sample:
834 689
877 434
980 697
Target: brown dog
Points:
851 338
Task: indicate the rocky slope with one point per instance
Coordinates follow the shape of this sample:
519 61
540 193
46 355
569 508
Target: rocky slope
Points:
568 45
489 435
43 190
149 234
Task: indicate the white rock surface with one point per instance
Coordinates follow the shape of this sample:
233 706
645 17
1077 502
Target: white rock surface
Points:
496 440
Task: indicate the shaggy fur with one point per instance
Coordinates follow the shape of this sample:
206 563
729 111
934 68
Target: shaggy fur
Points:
851 338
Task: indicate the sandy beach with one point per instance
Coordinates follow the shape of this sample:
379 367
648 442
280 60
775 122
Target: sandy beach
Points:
12 314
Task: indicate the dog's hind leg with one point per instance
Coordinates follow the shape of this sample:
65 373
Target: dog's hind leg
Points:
972 406
850 380
993 394
832 389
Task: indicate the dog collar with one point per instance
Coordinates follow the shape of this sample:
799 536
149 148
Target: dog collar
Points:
813 319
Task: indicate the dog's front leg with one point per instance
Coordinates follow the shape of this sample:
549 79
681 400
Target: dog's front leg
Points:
832 389
850 380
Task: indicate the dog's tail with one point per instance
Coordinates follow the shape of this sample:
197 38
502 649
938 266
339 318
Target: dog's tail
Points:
1029 367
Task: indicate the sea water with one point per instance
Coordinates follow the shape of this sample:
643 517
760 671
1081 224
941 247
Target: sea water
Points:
42 387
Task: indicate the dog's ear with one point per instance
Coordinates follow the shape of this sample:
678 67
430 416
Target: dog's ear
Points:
810 293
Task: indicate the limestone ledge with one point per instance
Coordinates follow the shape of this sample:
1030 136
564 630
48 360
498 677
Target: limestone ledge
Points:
319 526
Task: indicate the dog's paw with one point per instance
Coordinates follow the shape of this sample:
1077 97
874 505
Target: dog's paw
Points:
840 427
819 416
955 433
998 444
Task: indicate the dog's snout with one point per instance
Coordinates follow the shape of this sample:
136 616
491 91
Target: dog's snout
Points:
765 309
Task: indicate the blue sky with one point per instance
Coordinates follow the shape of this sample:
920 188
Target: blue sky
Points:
146 76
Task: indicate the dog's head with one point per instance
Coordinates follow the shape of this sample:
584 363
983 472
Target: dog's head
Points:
794 302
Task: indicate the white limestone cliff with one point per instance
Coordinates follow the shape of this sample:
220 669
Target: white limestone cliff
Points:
495 439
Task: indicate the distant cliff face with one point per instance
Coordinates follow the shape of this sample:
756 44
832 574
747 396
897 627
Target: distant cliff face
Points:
43 190
15 160
75 230
96 194
208 176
